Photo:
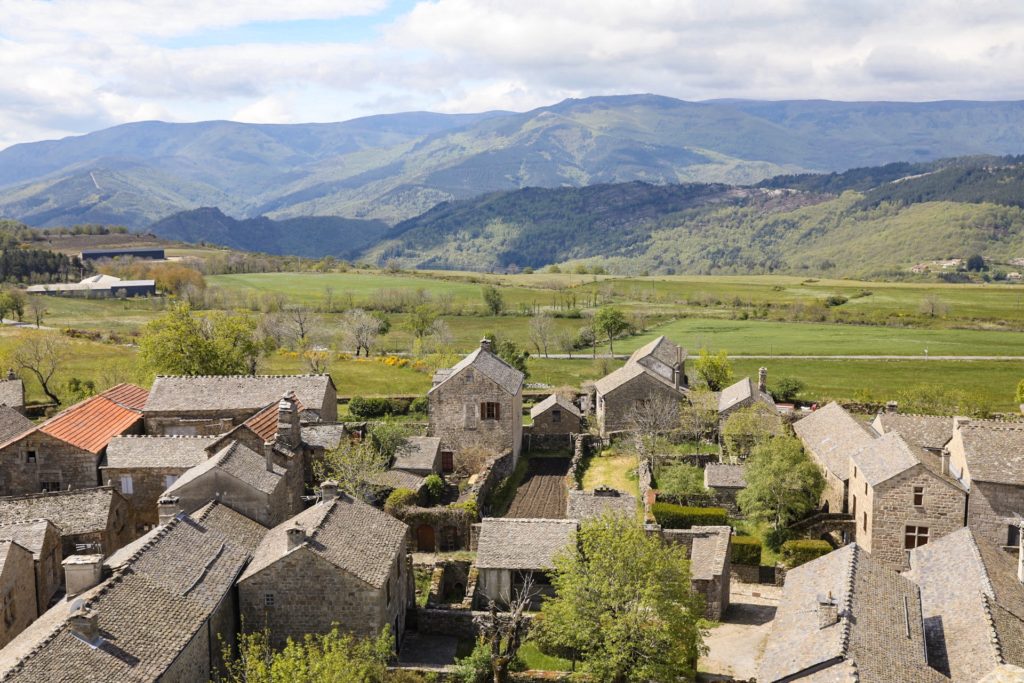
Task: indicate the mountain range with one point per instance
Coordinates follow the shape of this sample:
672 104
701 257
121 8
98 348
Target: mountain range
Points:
391 168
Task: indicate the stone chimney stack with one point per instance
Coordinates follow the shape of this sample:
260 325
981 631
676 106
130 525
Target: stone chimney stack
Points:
762 380
828 611
296 536
10 374
268 455
959 421
168 508
485 344
82 572
85 624
892 407
289 429
329 490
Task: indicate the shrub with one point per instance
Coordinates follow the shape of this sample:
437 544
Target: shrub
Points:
435 487
399 499
419 405
835 300
746 550
787 388
398 406
671 516
368 407
469 505
796 553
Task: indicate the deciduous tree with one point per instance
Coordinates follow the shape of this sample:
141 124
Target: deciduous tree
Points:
542 329
43 354
180 342
783 484
714 369
493 299
610 323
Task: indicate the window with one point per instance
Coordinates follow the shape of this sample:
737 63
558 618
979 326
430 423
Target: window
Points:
556 415
865 488
1013 535
126 484
447 462
387 590
169 480
918 496
853 512
45 486
915 537
490 410
268 599
865 522
30 456
855 471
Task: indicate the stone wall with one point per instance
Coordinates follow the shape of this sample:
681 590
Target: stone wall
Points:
545 423
446 524
193 662
614 408
993 508
48 570
194 423
498 469
455 415
455 622
645 479
38 458
17 592
268 510
148 483
532 441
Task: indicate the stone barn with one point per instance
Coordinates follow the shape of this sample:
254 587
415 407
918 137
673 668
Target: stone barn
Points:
654 372
509 550
556 415
830 435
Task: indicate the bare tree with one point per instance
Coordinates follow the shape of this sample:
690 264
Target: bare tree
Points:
37 307
504 631
472 459
650 418
318 360
440 335
933 306
542 330
566 343
361 329
699 417
299 322
43 355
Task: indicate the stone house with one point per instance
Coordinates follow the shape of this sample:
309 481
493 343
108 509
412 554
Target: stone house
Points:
725 483
930 432
477 403
12 392
354 555
207 405
242 479
708 548
509 550
654 372
319 438
830 435
161 616
556 415
901 499
65 451
141 468
90 520
744 394
18 606
972 600
419 455
845 617
987 458
41 538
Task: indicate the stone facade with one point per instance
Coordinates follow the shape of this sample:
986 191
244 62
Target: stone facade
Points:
614 407
884 513
17 591
147 484
834 497
994 511
556 417
194 423
39 462
42 539
269 509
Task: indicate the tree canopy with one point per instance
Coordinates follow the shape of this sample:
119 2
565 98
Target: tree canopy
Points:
714 369
180 342
783 484
610 322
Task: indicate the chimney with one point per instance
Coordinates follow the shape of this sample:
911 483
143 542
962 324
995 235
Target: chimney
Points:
762 380
168 508
944 457
485 344
268 455
289 431
85 624
329 490
960 421
1020 551
10 374
296 536
828 611
82 572
892 407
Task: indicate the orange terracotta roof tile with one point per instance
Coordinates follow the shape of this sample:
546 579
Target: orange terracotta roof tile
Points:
127 395
264 423
91 424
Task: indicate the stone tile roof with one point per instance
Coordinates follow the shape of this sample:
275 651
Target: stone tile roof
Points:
924 431
325 435
529 544
80 511
884 458
994 452
245 533
874 603
588 504
91 424
550 402
137 452
1004 673
661 348
147 612
709 552
963 639
12 393
242 463
617 378
742 391
30 534
486 363
13 423
719 475
353 536
399 479
833 435
233 392
417 453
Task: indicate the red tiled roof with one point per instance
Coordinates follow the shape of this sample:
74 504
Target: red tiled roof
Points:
91 424
264 423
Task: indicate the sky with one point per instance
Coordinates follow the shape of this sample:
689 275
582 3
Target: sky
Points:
69 67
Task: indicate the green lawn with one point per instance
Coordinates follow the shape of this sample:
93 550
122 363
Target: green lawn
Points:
616 471
536 660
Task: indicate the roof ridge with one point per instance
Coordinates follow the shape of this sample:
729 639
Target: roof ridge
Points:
847 607
308 374
30 520
986 581
62 492
161 533
165 436
993 634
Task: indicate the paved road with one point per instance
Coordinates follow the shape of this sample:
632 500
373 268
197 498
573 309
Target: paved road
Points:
617 356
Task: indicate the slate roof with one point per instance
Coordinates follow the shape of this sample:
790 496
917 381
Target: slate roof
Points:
972 604
325 435
13 423
351 535
399 479
245 533
868 639
79 511
30 534
719 475
586 505
1004 673
509 543
89 425
417 453
924 431
739 392
136 452
661 348
147 612
617 378
239 461
884 458
709 552
833 435
994 452
550 402
501 373
12 393
233 392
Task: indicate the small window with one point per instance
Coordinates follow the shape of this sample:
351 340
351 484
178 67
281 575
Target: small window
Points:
126 484
855 471
865 488
556 415
853 511
30 456
915 537
169 480
1013 535
918 496
865 522
387 590
489 410
45 486
268 599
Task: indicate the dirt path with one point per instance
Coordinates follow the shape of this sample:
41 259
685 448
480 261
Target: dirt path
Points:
542 494
735 646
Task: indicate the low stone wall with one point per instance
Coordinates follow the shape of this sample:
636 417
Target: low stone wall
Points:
584 446
645 478
547 442
446 622
498 469
746 573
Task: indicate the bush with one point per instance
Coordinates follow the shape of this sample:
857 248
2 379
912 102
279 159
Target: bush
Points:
399 499
435 487
398 406
835 300
419 405
786 389
796 553
671 516
377 407
746 550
